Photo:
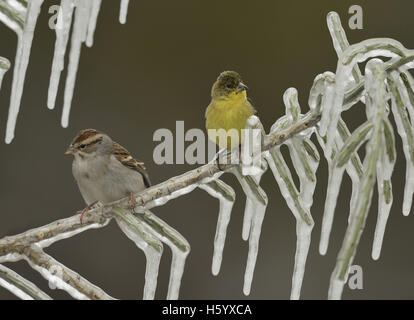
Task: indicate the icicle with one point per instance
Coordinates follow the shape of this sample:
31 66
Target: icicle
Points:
62 36
24 45
375 110
405 130
226 196
303 240
337 168
144 240
248 209
252 164
95 7
78 36
385 168
259 201
123 11
4 66
180 248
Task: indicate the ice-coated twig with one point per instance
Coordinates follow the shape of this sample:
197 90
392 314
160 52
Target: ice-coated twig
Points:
351 145
13 15
226 196
305 159
399 105
248 211
340 41
252 164
19 286
24 44
376 104
385 168
352 55
258 206
123 11
135 230
4 66
178 244
62 277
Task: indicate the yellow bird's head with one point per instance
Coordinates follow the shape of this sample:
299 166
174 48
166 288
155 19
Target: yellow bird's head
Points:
229 85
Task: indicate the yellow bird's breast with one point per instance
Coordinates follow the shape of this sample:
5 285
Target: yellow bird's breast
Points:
227 114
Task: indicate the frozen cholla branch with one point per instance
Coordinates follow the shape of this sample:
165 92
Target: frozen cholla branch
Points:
376 110
135 230
19 286
226 196
4 66
123 11
305 159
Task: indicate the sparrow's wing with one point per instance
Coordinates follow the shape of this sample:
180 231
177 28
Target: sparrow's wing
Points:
127 160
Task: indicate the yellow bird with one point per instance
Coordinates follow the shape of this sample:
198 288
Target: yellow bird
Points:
228 109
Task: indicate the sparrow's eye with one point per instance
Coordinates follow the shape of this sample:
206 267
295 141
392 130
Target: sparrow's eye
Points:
82 146
229 85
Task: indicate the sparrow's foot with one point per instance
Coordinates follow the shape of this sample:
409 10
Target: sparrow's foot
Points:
86 209
132 201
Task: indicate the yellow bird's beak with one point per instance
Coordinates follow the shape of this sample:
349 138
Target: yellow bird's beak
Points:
71 150
241 87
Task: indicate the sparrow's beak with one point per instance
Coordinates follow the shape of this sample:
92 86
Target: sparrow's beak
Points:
242 87
71 150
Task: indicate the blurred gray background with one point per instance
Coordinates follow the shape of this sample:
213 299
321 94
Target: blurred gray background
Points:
156 69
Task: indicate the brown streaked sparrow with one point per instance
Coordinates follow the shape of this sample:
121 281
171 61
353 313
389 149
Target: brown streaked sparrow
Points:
104 170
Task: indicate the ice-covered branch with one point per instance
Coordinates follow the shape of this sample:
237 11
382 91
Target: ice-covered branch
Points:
20 286
60 276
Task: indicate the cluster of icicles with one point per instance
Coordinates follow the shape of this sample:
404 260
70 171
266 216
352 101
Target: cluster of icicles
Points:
21 16
382 83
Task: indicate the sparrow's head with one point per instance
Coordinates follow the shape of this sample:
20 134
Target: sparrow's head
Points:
90 142
228 85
